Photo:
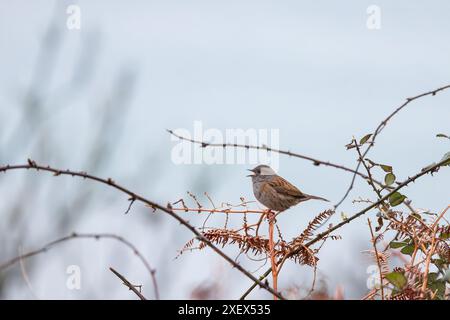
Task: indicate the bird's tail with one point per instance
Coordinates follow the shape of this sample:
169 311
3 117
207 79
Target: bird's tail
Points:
309 197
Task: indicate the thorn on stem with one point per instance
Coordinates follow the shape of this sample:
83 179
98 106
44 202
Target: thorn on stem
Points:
132 200
31 163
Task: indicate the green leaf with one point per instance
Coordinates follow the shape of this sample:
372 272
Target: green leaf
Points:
365 138
441 135
389 179
444 235
432 276
447 276
398 279
396 244
386 168
446 157
409 249
416 215
428 167
439 263
436 285
373 164
396 198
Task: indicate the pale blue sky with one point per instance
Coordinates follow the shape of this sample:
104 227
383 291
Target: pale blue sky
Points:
313 70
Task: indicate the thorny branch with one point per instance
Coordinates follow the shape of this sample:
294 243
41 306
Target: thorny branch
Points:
95 236
316 162
128 284
108 181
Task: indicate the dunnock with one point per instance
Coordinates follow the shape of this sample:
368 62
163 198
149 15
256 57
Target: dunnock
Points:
275 192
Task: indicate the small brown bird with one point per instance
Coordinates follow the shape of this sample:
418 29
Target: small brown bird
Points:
275 192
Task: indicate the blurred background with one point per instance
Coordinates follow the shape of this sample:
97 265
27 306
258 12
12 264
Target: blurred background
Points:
100 97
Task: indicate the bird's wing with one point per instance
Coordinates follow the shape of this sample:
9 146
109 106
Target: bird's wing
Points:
284 187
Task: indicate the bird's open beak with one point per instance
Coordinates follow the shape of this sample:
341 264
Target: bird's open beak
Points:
251 175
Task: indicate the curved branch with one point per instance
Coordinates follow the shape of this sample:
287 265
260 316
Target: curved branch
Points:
96 236
34 166
316 162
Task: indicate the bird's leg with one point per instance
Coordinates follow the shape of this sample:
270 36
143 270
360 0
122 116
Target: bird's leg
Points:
271 215
276 215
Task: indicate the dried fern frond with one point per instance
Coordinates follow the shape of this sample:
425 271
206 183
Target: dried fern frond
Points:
406 294
443 231
307 234
443 249
304 255
188 247
409 227
246 243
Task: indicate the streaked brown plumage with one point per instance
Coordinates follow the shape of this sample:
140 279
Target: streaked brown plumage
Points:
275 192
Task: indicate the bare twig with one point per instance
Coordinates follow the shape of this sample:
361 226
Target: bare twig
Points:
374 243
209 215
369 173
441 216
132 200
128 284
25 275
96 236
427 266
34 166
